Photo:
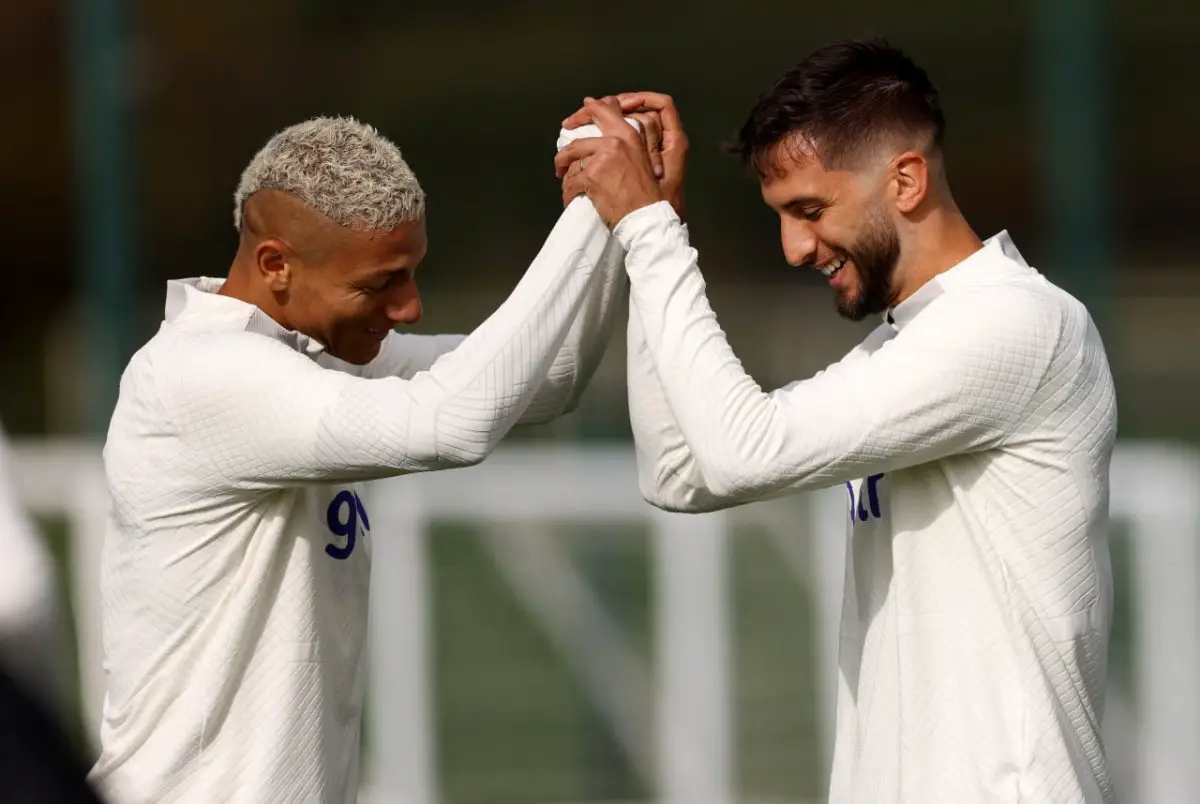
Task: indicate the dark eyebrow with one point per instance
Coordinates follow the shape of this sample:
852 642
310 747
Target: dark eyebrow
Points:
805 201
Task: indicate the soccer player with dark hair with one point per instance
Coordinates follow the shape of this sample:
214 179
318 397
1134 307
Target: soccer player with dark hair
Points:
973 429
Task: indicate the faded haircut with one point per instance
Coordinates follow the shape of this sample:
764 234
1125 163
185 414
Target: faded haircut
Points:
344 169
842 102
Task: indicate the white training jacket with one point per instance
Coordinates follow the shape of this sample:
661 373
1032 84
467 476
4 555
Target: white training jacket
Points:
973 431
237 556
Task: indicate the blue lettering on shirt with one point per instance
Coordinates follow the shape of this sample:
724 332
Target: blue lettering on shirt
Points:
868 500
344 516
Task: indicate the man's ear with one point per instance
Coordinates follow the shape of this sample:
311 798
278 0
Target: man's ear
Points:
909 180
272 258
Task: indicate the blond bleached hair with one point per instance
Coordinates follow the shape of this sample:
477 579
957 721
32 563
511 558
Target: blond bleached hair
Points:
342 168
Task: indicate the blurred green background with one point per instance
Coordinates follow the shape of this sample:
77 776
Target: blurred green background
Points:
473 92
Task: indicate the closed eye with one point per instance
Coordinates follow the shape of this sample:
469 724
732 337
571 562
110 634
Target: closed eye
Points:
385 281
808 213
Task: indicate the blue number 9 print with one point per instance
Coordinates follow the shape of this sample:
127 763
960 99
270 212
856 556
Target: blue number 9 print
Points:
345 514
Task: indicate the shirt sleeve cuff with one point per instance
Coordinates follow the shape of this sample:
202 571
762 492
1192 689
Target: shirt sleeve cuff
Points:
643 221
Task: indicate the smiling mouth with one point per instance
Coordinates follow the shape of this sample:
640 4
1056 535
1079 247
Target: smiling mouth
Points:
831 268
379 332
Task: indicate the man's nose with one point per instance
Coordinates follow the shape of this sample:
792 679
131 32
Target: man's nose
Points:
407 310
799 242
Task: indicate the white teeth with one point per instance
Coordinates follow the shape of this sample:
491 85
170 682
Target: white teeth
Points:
833 267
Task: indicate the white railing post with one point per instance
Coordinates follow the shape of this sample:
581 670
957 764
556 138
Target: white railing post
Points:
1157 489
401 761
694 667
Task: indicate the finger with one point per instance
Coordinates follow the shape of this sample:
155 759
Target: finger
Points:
580 117
611 101
652 134
610 121
651 125
655 102
583 116
573 152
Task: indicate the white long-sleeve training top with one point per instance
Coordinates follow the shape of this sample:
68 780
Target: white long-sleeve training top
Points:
973 431
237 555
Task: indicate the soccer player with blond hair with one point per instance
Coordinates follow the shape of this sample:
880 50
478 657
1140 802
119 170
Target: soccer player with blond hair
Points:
238 551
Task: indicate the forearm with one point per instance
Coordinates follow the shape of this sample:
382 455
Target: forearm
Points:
589 336
668 474
715 403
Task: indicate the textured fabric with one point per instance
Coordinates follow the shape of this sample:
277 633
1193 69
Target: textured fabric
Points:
587 131
237 556
973 434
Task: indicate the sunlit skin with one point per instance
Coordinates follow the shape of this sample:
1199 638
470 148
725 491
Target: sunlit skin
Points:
344 288
888 214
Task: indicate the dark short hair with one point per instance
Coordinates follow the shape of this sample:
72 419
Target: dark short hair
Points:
842 99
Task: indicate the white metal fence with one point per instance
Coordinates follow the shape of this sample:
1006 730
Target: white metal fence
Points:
689 757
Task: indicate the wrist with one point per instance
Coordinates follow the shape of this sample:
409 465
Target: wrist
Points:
675 197
644 219
633 205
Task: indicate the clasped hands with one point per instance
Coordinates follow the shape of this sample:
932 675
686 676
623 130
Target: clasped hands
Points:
624 170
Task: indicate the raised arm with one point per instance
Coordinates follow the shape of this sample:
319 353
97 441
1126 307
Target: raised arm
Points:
668 475
585 344
957 380
404 355
264 415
